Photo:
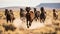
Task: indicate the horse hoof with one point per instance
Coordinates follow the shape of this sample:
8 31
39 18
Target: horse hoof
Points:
27 26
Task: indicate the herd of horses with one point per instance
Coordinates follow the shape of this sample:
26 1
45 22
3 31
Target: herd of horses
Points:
29 15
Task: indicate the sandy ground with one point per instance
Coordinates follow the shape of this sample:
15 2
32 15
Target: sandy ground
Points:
36 27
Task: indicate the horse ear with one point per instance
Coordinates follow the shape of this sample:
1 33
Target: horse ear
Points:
34 9
21 9
27 8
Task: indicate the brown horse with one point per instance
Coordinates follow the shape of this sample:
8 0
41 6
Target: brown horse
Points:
37 15
28 17
42 15
55 16
21 13
9 15
32 15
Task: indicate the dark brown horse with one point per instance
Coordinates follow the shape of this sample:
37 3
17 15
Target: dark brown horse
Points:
12 16
21 12
9 15
37 15
42 15
55 16
28 17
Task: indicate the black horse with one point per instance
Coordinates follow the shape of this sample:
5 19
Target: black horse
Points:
42 15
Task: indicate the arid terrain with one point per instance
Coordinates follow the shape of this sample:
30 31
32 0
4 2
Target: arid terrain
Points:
50 26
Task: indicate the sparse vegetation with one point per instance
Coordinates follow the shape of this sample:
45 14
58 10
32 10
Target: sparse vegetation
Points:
54 29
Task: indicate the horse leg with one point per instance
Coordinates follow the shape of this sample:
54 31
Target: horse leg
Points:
40 20
56 17
7 20
10 20
30 22
37 19
27 24
43 20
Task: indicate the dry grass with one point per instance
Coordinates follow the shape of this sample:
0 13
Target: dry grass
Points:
48 22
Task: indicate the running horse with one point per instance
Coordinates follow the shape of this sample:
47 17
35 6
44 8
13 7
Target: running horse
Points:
12 16
29 17
32 15
55 16
37 15
42 15
9 15
21 12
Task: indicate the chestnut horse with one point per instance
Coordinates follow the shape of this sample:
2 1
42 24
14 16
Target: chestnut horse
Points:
32 15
